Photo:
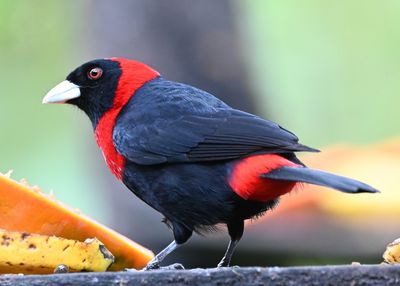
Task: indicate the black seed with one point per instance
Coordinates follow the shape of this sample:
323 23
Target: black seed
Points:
24 235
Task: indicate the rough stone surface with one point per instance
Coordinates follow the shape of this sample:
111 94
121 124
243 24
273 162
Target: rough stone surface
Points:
328 275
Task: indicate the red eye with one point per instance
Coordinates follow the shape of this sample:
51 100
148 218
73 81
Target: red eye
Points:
95 73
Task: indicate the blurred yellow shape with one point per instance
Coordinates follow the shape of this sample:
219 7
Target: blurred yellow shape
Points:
377 165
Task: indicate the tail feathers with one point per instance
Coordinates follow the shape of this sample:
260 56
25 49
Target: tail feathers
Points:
316 177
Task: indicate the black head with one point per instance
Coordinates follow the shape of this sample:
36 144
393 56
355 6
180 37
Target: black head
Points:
91 87
99 85
97 81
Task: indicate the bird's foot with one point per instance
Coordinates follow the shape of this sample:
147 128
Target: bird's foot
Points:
156 266
223 263
152 265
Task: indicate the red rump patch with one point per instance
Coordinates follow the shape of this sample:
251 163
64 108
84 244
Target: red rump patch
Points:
134 75
246 180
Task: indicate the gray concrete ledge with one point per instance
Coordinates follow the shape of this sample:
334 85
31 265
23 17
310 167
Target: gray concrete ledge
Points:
327 275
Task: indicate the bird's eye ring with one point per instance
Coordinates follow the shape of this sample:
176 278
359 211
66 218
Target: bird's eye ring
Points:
95 73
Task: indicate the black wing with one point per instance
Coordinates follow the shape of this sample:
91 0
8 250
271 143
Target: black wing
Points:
218 135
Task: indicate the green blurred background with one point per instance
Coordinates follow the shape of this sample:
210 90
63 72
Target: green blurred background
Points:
327 70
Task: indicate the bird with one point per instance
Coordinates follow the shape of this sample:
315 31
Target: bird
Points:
187 154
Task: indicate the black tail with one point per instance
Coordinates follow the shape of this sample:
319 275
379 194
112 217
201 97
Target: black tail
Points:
316 177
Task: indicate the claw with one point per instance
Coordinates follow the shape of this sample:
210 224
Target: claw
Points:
220 265
156 266
223 263
153 265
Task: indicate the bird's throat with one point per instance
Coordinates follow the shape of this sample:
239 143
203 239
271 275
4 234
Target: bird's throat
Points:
104 138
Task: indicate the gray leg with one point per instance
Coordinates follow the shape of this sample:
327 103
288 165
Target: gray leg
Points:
235 232
226 260
155 262
181 235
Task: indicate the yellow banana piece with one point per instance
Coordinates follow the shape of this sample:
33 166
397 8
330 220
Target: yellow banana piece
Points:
39 254
392 253
26 209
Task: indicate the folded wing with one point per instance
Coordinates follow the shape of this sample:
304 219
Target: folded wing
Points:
219 135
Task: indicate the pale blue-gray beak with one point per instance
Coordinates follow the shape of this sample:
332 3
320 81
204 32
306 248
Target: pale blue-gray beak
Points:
62 92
